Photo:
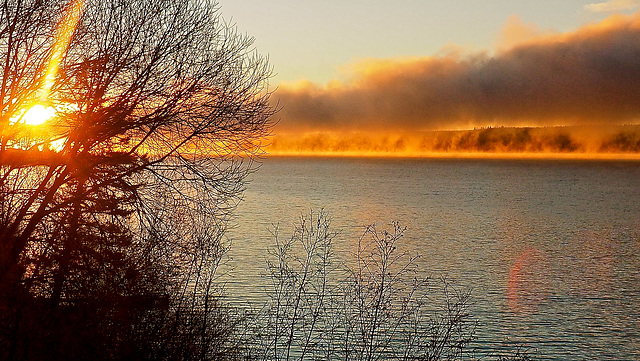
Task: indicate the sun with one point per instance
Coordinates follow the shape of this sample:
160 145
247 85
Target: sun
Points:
38 114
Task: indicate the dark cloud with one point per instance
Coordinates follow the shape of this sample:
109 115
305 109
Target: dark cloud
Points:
588 76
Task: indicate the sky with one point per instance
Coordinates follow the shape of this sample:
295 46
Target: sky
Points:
316 40
408 65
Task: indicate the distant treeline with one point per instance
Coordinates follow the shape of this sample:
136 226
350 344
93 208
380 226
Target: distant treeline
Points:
544 140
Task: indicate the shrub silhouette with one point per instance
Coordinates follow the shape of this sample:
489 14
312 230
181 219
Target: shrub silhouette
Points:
372 308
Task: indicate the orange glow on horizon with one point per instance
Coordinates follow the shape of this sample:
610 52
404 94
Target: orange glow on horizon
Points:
595 142
451 155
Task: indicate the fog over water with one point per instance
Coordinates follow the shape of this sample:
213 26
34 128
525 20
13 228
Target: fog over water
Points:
586 141
587 76
550 248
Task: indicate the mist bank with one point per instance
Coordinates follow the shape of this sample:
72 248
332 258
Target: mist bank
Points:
579 141
584 77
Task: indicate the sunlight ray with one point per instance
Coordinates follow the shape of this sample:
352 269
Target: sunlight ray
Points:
65 31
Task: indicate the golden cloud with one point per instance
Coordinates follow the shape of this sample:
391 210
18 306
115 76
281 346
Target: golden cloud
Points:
589 76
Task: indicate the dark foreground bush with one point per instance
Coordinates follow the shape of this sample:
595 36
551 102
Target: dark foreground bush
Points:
138 318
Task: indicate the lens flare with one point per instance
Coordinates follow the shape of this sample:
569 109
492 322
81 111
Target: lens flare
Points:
65 31
39 113
528 282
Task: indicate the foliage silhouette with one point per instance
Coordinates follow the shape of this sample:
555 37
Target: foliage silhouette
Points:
112 214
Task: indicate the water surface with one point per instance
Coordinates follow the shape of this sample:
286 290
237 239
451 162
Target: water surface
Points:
550 248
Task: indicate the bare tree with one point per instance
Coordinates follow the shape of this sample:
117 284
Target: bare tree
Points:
300 269
372 308
159 108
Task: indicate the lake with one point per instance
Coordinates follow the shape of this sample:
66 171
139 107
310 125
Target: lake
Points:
549 248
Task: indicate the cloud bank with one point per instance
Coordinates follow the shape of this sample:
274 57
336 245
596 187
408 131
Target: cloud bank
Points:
590 76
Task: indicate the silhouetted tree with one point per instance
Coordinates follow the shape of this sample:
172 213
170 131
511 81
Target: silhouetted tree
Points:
112 213
370 304
374 306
